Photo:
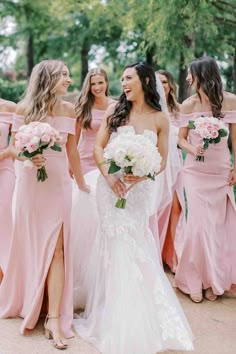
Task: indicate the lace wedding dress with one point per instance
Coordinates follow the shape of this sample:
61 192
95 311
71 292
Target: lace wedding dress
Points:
131 307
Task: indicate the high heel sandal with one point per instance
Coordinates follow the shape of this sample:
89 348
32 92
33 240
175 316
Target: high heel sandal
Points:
196 298
209 295
49 334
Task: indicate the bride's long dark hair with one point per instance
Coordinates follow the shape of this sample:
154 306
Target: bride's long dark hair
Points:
146 74
207 75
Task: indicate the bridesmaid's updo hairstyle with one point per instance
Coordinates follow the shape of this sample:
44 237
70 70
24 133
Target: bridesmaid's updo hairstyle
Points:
84 104
171 99
146 74
40 95
207 75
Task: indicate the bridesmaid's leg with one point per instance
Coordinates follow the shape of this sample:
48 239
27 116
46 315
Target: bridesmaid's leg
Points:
55 287
1 275
174 219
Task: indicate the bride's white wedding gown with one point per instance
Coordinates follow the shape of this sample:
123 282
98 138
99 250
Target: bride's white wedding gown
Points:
130 308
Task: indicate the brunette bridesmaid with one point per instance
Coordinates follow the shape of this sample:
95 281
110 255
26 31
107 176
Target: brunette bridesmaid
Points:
174 212
208 261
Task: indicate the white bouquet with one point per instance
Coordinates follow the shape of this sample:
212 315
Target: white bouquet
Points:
132 154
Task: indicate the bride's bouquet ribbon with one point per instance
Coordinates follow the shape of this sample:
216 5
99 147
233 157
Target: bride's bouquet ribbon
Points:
132 154
32 139
210 129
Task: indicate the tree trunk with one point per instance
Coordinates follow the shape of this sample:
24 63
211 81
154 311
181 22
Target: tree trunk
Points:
234 70
150 56
84 60
183 85
30 54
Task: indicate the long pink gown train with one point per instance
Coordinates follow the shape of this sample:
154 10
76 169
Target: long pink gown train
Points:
84 216
7 182
208 258
42 209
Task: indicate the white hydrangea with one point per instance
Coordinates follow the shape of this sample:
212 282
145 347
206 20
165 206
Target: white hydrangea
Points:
135 151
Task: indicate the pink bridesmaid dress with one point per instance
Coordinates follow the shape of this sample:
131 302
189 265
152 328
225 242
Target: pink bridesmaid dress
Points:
7 182
42 209
208 258
87 142
84 216
166 242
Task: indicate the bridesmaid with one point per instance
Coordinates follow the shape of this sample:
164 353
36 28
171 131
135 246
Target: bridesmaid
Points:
7 182
40 249
171 215
208 259
90 109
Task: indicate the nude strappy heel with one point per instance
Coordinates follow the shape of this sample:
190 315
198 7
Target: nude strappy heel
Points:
49 334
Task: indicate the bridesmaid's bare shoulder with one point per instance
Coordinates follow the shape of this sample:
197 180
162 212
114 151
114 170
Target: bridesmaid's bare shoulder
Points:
229 102
188 106
178 106
7 106
110 109
111 101
20 109
66 109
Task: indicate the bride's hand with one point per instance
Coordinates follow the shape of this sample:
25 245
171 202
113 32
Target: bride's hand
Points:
84 188
131 179
116 185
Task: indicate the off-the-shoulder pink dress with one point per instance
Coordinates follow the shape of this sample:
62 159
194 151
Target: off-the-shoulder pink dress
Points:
87 141
7 182
42 209
208 258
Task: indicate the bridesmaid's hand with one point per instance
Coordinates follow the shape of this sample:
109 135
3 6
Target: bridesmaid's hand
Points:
38 160
232 177
9 152
116 185
71 173
199 151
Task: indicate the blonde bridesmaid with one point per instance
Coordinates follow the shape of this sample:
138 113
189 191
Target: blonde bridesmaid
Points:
41 248
7 181
208 260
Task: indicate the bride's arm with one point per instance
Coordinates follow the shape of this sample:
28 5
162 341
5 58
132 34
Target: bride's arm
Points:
103 135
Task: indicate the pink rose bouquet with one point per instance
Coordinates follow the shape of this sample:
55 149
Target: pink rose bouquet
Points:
210 129
32 139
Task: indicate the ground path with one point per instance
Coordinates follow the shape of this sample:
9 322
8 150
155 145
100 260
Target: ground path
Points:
213 325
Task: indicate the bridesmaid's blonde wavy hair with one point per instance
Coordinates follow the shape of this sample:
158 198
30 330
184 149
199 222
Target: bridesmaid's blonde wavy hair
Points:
84 104
40 95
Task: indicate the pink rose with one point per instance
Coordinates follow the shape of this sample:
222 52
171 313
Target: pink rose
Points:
204 133
214 134
31 147
45 138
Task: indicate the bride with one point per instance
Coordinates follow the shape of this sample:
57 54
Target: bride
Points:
131 307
